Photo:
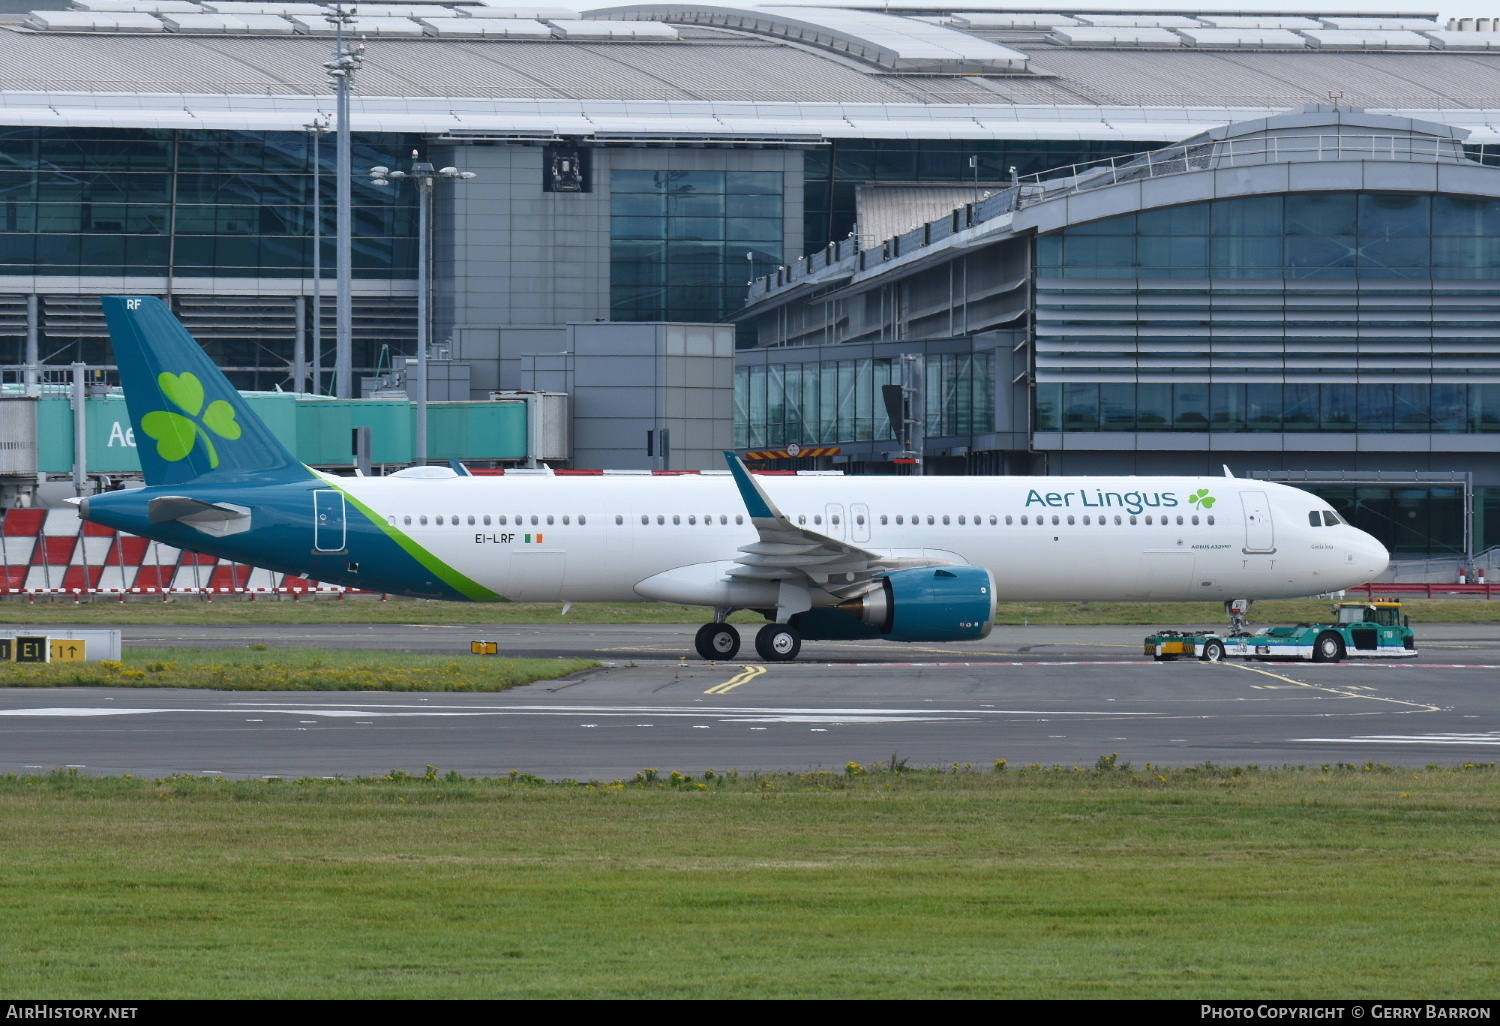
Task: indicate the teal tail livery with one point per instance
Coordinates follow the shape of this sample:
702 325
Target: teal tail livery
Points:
821 557
218 481
190 422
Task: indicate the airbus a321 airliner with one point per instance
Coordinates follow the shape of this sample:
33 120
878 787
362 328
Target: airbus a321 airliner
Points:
821 557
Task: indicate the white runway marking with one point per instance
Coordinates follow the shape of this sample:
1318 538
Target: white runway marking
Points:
1490 739
733 714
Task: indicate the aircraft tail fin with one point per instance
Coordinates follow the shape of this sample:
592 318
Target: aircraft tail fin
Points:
189 421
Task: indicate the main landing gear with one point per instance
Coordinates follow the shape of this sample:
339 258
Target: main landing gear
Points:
775 642
778 642
717 641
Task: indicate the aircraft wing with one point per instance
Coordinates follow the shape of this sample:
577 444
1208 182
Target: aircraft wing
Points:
787 552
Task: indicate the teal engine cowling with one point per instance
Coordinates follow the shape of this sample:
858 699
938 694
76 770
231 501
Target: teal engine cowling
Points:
942 603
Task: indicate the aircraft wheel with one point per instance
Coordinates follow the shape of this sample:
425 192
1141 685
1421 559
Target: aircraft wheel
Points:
716 641
1329 648
1213 652
778 643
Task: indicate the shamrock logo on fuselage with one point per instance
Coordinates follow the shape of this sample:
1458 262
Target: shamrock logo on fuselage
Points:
1201 499
175 434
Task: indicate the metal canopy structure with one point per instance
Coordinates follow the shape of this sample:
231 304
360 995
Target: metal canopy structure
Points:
901 44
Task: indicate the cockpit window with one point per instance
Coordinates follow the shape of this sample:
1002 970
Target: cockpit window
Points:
1330 518
1315 519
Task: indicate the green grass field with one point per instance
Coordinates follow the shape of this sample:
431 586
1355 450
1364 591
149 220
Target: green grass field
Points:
1096 882
197 611
291 669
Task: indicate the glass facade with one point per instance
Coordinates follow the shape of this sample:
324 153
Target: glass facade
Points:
1197 406
684 243
1327 235
831 173
81 201
839 400
1407 521
1320 312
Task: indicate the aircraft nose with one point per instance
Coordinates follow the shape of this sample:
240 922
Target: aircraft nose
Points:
1371 556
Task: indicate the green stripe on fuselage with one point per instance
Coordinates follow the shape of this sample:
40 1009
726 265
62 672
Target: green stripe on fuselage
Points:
469 589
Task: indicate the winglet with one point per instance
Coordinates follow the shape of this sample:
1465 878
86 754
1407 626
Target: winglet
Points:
757 503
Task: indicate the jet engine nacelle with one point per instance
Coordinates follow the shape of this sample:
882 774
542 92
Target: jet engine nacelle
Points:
931 603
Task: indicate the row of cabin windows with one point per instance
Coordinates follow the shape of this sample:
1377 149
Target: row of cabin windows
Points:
1327 517
1058 519
485 520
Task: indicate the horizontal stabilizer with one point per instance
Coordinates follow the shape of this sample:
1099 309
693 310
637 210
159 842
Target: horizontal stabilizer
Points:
216 518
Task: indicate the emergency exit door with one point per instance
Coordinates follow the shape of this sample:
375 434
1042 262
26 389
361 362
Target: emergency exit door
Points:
328 520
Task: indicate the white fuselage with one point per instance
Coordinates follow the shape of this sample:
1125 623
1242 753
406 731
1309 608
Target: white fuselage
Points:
590 539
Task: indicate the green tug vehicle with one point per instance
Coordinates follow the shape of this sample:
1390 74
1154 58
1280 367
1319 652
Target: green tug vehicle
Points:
1375 629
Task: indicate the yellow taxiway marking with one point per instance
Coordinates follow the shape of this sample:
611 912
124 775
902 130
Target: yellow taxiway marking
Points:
1342 692
749 673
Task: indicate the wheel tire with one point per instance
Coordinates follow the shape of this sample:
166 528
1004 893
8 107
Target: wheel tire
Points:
717 641
1213 652
778 643
1329 648
1160 658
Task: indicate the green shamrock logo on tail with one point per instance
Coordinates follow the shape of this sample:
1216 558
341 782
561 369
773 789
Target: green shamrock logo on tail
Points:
175 434
1201 499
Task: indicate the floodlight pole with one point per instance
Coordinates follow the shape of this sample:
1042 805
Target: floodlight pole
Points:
315 131
426 177
341 69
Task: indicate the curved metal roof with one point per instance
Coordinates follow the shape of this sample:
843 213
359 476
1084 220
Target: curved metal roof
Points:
901 44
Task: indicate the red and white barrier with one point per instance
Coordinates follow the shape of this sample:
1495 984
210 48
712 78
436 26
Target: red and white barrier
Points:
53 552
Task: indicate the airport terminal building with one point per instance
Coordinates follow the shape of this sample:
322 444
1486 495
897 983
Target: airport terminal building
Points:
1149 242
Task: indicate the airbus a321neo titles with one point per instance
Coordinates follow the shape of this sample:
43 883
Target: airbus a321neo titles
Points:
821 557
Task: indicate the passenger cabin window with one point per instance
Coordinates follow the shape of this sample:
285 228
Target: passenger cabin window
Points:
739 518
945 520
422 519
1210 520
406 520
